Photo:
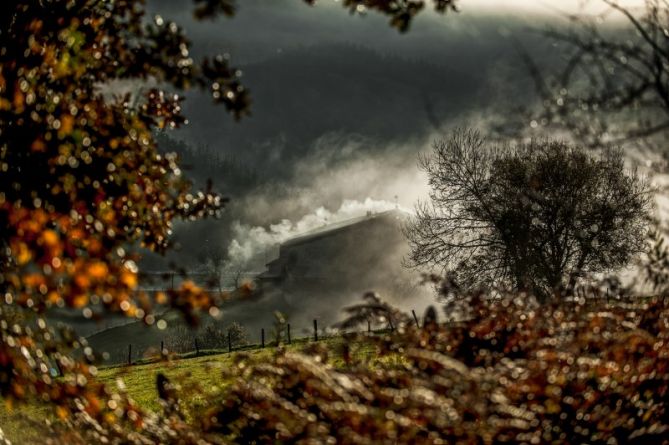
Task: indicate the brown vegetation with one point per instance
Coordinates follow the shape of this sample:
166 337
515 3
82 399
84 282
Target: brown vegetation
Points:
512 372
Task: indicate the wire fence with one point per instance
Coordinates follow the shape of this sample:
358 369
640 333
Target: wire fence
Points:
285 336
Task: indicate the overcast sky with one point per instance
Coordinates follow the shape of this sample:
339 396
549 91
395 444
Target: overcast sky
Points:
544 6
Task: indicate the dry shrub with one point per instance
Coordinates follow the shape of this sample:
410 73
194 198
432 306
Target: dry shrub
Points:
513 371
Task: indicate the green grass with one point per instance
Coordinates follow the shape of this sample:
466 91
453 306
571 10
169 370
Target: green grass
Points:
201 377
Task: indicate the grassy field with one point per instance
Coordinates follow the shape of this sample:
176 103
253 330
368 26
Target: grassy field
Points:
139 381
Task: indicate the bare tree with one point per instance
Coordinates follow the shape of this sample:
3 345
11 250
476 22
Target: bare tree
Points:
533 217
613 85
238 334
213 263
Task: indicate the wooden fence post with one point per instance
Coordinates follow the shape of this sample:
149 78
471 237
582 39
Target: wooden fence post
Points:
162 347
415 318
288 333
315 330
369 327
130 354
197 348
262 337
229 341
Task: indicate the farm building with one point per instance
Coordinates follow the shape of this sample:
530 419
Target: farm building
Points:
341 256
321 272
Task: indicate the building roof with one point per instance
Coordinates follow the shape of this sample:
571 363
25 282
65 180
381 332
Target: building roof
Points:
275 267
337 227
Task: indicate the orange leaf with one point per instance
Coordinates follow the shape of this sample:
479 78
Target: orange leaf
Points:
50 238
38 145
53 297
161 297
79 301
66 125
82 281
98 270
22 254
62 412
129 279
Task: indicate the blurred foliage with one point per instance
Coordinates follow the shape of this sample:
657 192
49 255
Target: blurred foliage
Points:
82 182
510 372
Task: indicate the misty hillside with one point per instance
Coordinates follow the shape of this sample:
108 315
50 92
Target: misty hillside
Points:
303 94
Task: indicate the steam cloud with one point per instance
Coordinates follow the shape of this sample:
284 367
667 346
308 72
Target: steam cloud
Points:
342 177
252 243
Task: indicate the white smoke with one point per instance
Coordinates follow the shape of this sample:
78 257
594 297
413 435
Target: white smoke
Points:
252 246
